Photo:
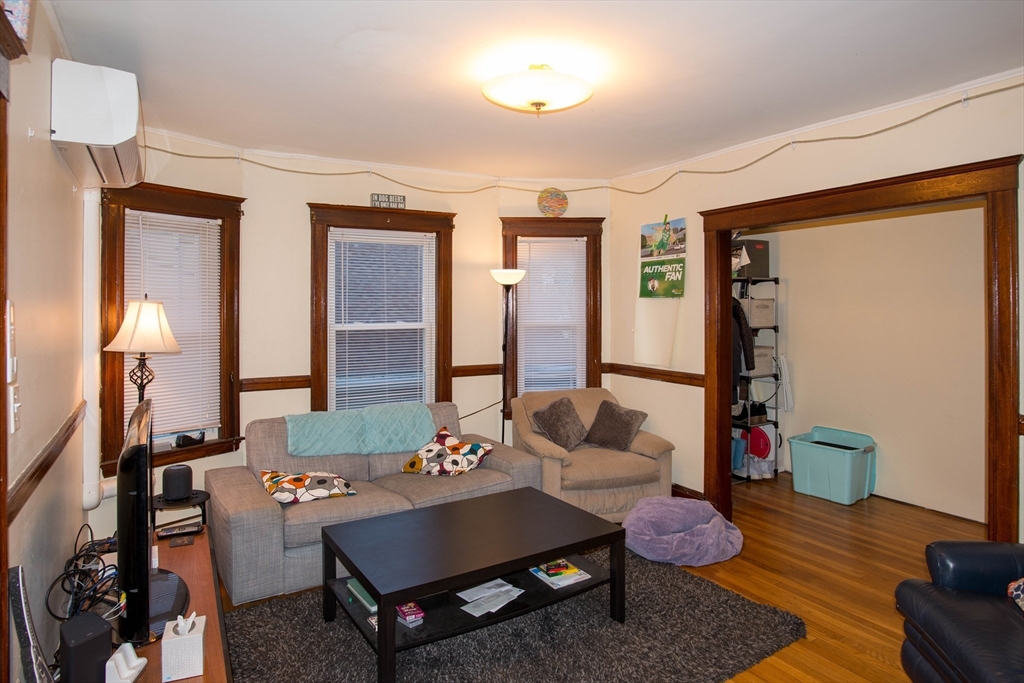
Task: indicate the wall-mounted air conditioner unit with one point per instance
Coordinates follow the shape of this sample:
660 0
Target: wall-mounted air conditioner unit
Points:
96 124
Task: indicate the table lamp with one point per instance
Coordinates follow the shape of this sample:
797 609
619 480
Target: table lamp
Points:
144 330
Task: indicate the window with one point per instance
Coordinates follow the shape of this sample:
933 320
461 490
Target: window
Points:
179 247
381 328
551 309
177 260
381 306
556 309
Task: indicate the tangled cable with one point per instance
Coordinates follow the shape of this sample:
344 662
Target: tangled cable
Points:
87 582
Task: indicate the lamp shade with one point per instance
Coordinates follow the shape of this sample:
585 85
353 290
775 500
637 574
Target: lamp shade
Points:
507 276
539 89
144 330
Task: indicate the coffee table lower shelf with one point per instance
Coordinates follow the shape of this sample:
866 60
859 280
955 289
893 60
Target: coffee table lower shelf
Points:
443 613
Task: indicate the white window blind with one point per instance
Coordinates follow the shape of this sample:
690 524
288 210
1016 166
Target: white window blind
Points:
177 260
551 312
381 330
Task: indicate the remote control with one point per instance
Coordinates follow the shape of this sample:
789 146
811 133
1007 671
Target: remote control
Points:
183 530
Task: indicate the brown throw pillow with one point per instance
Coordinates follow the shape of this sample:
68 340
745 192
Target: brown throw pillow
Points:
614 426
559 422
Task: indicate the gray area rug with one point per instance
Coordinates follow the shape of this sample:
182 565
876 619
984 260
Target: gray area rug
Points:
679 627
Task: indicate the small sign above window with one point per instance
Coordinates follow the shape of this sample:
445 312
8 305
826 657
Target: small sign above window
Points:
387 201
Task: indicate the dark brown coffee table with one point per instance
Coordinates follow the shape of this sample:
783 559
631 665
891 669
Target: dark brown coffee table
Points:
428 554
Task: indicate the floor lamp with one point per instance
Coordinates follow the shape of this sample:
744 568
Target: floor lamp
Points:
144 330
507 278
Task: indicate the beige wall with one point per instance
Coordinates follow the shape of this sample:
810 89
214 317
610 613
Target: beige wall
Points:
44 280
989 128
883 326
275 263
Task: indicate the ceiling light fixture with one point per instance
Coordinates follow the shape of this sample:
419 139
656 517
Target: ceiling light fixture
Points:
540 89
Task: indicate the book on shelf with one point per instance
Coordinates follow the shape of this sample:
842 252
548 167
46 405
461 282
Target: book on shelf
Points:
562 580
410 611
357 590
559 567
372 621
410 623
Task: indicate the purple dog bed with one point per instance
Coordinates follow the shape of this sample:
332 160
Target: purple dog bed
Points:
681 531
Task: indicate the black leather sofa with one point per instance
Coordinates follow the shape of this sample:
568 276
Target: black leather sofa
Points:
961 627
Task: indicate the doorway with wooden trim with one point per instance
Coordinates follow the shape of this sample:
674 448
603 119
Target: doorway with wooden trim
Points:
995 183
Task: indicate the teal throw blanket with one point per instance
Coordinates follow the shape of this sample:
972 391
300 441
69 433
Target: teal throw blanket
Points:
389 428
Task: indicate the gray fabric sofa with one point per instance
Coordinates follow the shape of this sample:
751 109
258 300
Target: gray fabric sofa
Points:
605 482
264 548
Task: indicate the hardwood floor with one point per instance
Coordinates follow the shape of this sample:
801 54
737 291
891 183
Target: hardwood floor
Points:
836 567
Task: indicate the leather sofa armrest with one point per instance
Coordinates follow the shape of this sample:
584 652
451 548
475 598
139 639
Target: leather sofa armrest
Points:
982 566
524 468
651 445
247 530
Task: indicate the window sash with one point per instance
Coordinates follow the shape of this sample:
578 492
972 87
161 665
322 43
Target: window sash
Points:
381 327
177 260
551 314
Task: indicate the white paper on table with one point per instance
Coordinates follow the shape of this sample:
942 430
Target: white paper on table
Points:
483 590
493 602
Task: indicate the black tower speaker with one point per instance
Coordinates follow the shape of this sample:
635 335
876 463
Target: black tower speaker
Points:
85 647
177 482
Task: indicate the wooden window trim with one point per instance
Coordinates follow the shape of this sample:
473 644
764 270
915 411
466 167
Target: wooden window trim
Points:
322 218
589 228
182 202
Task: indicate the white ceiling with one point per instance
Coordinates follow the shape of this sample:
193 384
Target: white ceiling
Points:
399 82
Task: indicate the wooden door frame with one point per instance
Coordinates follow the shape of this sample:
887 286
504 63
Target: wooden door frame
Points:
995 182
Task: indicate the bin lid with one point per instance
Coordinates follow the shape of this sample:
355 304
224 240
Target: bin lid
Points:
760 444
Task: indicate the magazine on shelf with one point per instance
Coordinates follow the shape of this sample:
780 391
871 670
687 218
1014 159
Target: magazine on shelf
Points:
562 580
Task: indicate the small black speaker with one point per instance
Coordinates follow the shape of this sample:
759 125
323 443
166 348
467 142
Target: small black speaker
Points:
85 647
177 482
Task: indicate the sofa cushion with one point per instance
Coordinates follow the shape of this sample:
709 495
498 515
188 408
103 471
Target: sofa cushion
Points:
304 487
447 456
614 426
559 422
600 468
586 402
979 633
424 491
302 523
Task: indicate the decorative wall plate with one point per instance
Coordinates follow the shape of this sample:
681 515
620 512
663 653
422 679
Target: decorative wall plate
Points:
552 202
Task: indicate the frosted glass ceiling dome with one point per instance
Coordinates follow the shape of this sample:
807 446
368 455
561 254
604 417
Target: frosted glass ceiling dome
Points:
540 89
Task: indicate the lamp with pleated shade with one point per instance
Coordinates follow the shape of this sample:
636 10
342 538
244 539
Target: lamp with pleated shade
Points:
144 331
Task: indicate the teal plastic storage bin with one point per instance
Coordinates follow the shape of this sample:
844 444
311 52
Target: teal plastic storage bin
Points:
833 464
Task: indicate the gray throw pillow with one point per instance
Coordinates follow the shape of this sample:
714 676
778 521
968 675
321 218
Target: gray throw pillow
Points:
559 422
614 426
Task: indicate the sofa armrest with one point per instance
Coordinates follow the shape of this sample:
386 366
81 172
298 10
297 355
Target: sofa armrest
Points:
651 445
247 530
524 468
982 566
540 446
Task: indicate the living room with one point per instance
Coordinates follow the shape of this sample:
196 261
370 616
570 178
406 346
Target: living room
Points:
47 224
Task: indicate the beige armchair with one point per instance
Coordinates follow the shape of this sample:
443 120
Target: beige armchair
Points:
605 482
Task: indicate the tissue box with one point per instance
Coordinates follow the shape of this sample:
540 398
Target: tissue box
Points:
182 653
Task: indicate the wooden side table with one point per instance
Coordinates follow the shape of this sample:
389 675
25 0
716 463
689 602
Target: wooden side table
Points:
194 564
197 499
